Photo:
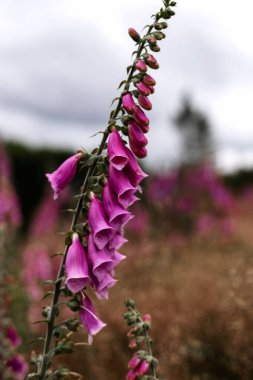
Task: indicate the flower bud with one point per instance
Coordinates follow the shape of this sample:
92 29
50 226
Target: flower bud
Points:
152 90
134 362
159 35
143 368
131 375
143 88
136 135
164 24
158 26
155 48
152 41
144 102
141 118
147 318
148 80
134 34
152 62
132 344
128 103
141 66
139 151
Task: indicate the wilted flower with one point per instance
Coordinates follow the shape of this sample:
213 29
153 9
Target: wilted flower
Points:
62 176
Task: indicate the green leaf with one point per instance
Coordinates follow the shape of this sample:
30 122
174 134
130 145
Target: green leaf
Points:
121 83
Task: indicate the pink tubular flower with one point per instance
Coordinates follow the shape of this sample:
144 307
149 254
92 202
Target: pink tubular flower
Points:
117 215
144 102
134 362
12 335
116 150
89 319
62 177
136 134
128 103
101 231
76 266
133 171
141 66
122 187
100 261
141 118
143 88
139 151
117 241
148 80
143 368
18 366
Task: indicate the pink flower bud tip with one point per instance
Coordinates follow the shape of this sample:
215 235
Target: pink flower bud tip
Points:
128 103
134 362
147 318
139 151
134 34
152 62
143 368
131 375
142 120
143 88
62 177
144 102
141 66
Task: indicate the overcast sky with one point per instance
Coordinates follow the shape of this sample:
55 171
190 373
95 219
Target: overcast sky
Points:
61 62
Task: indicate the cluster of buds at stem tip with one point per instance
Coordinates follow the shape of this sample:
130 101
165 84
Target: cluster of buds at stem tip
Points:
138 122
142 365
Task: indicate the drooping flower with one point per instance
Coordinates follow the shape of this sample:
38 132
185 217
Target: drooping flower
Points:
116 150
101 287
117 215
122 187
18 366
76 266
133 171
128 103
117 241
62 176
89 319
101 261
102 232
136 134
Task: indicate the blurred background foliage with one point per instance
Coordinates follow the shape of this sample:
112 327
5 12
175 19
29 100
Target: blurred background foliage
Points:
189 262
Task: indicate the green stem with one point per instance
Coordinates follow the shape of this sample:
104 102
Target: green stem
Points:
58 283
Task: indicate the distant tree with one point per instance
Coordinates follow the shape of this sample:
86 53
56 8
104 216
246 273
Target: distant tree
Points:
195 130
